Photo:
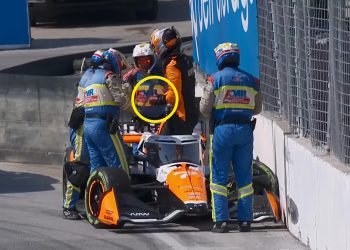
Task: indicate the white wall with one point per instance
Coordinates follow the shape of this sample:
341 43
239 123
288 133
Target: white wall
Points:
281 173
263 142
314 190
33 109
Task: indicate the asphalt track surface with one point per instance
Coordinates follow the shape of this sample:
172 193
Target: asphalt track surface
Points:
31 218
31 195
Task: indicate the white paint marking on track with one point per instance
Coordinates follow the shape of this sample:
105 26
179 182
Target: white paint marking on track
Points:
169 241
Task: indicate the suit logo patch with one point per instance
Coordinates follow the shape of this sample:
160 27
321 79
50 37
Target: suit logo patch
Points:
236 97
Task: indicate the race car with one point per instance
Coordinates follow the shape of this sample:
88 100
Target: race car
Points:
168 179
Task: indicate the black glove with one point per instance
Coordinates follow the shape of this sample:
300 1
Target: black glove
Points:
77 117
157 100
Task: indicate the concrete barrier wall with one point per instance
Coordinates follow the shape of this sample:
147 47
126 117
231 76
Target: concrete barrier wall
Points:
314 189
36 99
33 117
263 142
279 141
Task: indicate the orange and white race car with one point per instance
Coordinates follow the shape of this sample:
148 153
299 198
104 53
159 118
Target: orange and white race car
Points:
167 180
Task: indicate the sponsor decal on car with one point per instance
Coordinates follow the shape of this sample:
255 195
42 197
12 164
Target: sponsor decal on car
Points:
139 214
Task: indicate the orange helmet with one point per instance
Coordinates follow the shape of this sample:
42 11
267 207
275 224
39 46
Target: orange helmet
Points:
165 41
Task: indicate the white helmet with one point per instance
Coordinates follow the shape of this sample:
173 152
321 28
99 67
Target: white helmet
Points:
142 49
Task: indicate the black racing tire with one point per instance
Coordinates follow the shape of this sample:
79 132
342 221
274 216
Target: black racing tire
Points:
100 181
65 177
264 178
151 14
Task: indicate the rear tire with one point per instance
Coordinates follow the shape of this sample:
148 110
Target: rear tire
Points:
100 181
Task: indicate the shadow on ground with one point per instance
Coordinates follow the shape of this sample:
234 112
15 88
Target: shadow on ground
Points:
168 11
64 42
20 182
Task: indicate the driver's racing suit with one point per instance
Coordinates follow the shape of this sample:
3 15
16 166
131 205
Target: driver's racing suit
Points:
179 70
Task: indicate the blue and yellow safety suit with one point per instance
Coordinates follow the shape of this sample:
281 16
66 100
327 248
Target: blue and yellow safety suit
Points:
103 96
81 154
230 98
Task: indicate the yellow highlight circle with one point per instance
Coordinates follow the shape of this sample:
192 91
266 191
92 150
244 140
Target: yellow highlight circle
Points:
156 78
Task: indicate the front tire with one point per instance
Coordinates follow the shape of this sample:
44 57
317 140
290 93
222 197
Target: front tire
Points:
99 182
264 178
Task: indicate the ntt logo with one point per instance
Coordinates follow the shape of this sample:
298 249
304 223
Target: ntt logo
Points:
205 13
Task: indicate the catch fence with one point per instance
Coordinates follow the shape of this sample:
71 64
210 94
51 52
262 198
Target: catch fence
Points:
304 51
